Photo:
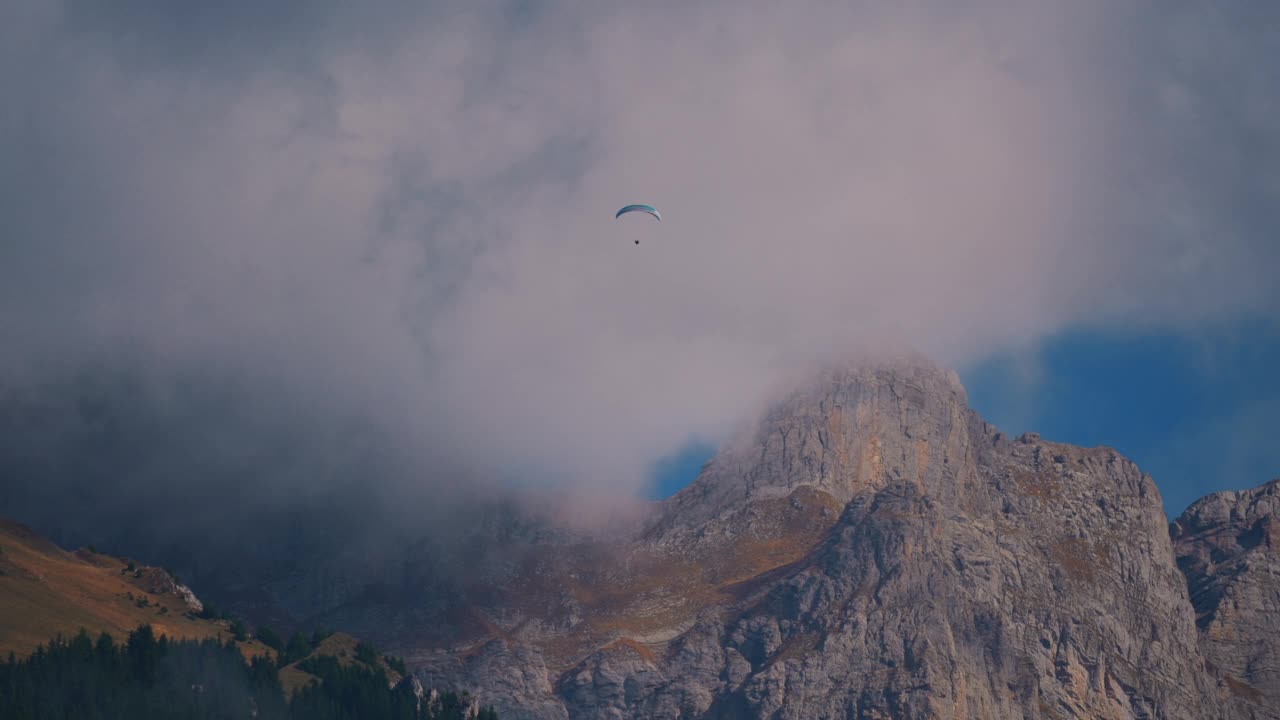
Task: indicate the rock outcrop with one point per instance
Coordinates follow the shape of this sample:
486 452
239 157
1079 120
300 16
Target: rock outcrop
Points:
870 549
159 581
1228 545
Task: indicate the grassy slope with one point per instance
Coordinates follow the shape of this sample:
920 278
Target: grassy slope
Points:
46 591
624 611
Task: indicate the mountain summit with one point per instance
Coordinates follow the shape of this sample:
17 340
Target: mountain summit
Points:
853 428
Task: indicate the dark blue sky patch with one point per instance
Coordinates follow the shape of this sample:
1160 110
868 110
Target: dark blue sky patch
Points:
678 469
1197 413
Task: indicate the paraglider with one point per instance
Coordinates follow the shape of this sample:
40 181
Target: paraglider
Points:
647 209
638 208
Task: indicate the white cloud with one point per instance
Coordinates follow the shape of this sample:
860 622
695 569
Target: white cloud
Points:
416 226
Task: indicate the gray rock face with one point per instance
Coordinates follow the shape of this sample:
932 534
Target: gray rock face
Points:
1228 545
855 429
509 676
1022 598
874 549
410 686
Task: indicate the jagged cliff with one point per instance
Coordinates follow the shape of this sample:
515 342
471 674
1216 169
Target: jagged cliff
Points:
873 549
1228 545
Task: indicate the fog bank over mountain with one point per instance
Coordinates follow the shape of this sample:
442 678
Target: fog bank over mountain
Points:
299 251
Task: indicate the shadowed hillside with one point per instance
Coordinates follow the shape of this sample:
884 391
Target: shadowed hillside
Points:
46 591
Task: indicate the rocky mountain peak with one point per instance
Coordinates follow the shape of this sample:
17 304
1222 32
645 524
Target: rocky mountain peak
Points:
852 426
1231 509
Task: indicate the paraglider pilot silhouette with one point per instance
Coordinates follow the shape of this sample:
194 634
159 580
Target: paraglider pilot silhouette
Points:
648 209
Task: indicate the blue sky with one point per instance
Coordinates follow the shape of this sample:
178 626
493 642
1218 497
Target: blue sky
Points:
1198 414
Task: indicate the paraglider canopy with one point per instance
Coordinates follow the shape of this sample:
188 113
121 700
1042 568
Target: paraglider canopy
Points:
638 208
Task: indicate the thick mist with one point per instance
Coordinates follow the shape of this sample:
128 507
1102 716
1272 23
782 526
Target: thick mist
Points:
259 263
